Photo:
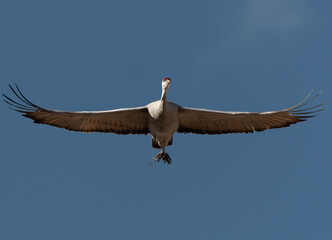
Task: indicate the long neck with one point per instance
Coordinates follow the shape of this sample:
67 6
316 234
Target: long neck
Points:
163 99
164 95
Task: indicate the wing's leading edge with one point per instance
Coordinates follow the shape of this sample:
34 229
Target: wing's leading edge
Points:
119 121
203 121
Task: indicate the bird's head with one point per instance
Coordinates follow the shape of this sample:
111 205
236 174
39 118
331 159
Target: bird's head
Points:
165 83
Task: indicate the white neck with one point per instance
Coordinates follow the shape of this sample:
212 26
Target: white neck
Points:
164 95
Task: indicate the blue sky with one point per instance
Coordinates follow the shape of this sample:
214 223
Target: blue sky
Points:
253 55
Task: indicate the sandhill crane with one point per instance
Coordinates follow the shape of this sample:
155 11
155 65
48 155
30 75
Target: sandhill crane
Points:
162 119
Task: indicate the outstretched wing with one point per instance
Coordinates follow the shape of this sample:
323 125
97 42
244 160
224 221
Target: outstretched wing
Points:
119 121
203 121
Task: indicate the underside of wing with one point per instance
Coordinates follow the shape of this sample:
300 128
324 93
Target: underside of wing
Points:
119 121
202 121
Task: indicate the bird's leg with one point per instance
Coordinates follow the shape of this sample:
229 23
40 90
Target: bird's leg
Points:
164 156
159 156
167 159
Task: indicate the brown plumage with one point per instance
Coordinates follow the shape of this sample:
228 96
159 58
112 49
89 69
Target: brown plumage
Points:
163 118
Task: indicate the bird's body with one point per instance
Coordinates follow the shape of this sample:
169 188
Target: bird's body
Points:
162 119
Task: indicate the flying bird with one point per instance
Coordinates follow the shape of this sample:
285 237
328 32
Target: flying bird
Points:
162 119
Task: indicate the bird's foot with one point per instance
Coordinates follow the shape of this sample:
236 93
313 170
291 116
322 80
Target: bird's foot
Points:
164 156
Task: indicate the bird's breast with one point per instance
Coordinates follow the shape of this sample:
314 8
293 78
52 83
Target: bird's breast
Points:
163 119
